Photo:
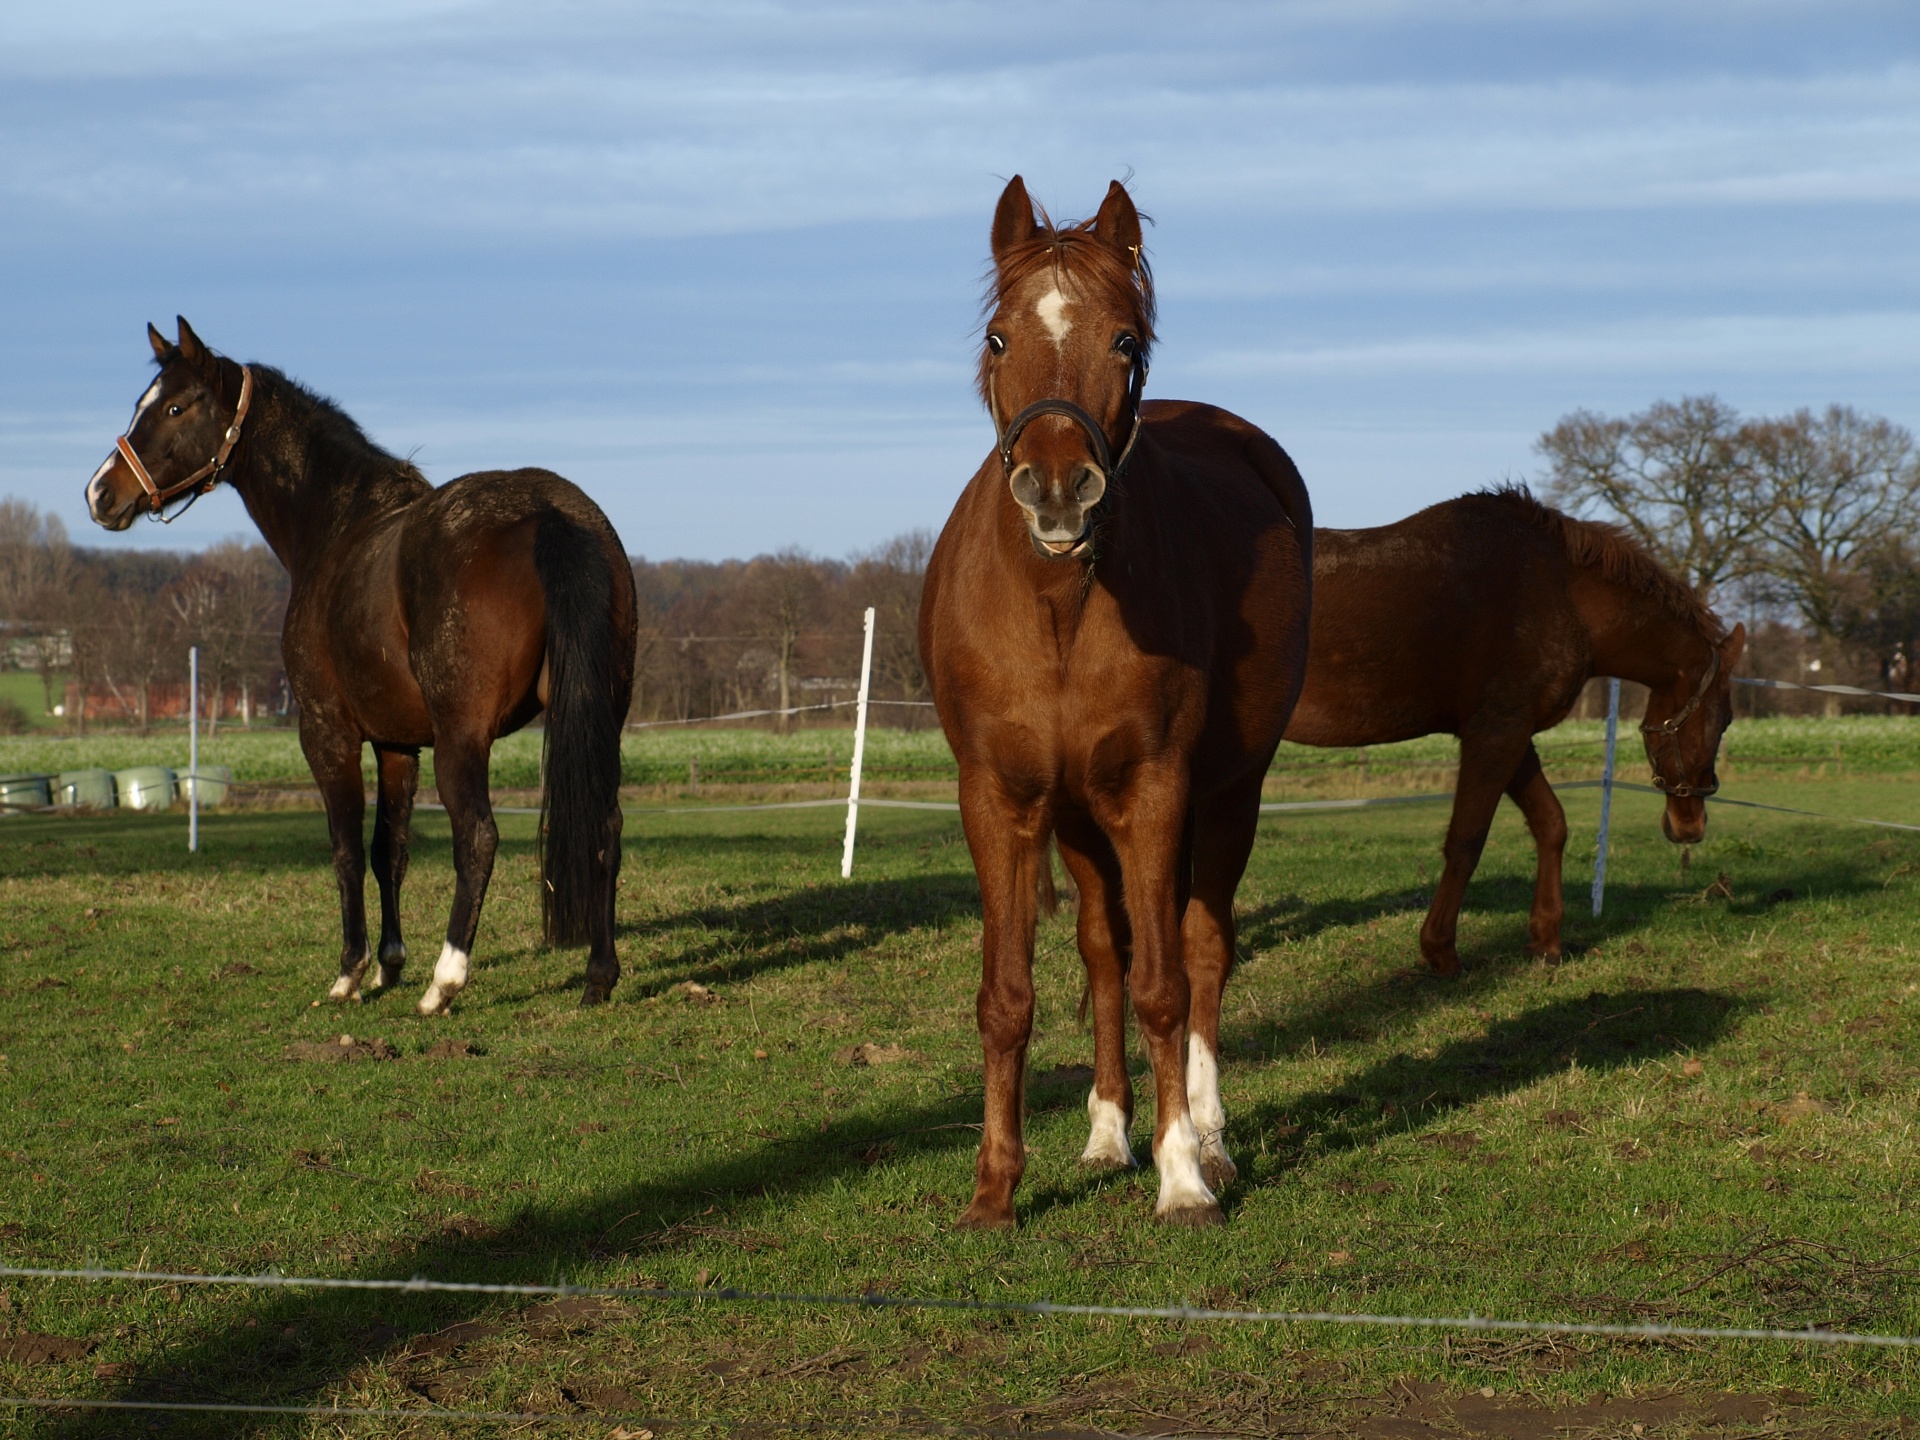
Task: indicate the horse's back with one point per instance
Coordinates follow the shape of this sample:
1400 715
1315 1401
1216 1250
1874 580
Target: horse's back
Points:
1420 625
1222 447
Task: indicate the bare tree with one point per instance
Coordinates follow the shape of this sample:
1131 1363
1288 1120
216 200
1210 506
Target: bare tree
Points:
228 603
778 599
36 569
889 578
1676 475
1839 486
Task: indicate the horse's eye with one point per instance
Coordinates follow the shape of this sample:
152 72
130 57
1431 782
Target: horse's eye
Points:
1127 346
996 342
173 409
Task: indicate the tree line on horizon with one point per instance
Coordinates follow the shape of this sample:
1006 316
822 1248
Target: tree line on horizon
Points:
107 631
1803 525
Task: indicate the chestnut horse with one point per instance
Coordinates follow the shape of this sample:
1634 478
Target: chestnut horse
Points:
1114 627
1483 617
418 617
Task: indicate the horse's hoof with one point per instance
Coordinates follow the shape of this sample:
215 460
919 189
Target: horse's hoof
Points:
595 994
1218 1171
346 988
980 1216
1106 1164
1193 1217
1445 965
435 1002
389 976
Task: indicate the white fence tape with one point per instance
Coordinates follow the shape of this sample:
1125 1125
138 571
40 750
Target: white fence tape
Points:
1828 689
874 1300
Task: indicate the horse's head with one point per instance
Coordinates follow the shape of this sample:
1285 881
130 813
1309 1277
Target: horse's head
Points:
183 429
1066 355
1682 728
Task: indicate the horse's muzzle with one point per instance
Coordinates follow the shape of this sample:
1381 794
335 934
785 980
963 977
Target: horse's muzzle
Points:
109 512
1059 514
1684 820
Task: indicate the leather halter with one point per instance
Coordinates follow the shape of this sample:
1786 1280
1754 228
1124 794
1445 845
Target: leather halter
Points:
201 480
1109 467
1669 729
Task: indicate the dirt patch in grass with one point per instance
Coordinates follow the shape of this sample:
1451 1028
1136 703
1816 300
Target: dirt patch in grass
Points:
341 1049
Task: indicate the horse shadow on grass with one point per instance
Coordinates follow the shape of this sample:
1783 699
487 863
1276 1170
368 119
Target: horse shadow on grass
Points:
1402 1094
737 939
286 1348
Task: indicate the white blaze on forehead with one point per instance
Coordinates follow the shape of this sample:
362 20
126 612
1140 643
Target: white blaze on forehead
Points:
1052 311
153 394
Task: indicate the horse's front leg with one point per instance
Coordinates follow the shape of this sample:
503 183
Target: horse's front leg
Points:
1533 793
460 767
1008 842
1149 831
1224 830
392 821
1104 943
334 758
1485 766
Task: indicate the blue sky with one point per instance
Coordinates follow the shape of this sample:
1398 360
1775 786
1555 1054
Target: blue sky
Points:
720 262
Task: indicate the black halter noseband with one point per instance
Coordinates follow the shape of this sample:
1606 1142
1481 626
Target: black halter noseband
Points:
1102 455
1669 729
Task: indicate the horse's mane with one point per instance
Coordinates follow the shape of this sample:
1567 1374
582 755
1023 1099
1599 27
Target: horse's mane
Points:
324 426
1075 251
1616 554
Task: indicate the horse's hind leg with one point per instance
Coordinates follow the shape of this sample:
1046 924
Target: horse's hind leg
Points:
1532 792
1223 838
1104 941
392 819
335 761
461 769
1485 766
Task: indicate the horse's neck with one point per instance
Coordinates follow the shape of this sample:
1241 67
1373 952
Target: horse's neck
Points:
1635 638
299 500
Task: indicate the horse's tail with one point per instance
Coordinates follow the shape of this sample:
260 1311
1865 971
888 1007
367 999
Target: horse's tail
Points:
589 684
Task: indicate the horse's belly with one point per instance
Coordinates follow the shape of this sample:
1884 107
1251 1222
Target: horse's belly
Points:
387 702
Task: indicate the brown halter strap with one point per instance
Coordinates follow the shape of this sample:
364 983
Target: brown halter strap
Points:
208 475
1669 729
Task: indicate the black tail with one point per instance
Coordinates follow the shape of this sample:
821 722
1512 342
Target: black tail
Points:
589 684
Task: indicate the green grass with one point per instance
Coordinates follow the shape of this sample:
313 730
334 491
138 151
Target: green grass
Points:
1705 1115
663 758
22 688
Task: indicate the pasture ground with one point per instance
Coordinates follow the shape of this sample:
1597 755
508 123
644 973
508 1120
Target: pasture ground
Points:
1704 1116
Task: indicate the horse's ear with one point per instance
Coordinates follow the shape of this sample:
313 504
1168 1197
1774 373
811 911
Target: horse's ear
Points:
1012 218
1733 647
162 347
191 347
1118 223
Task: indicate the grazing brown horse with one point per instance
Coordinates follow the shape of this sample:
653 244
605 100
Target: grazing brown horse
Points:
418 617
1115 628
1483 617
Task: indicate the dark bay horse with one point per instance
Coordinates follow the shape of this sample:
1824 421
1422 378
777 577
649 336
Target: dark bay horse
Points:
1483 617
418 617
1115 629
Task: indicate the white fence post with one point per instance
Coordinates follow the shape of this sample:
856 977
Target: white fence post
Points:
859 750
193 748
1606 795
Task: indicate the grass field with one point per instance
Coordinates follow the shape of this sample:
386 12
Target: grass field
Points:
667 759
1704 1116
